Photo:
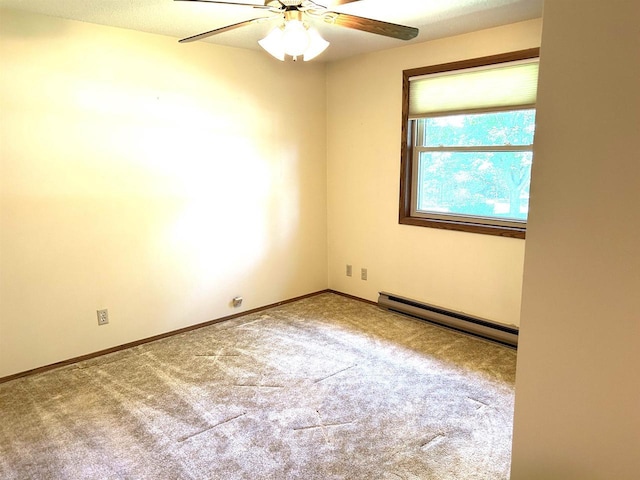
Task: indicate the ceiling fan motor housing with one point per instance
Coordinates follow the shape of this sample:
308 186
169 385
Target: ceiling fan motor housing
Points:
283 3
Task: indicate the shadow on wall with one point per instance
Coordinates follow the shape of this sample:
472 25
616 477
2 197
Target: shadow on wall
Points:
19 28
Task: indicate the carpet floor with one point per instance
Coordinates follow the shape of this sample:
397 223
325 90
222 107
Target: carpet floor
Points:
322 388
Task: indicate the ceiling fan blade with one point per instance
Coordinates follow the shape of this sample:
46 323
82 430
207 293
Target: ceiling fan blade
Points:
387 29
335 3
210 33
227 3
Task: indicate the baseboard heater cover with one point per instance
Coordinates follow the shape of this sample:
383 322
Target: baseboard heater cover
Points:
506 334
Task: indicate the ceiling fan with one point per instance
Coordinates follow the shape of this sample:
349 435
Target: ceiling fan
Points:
294 37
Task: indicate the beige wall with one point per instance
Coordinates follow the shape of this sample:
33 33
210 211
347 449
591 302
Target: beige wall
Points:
477 274
153 179
577 412
134 179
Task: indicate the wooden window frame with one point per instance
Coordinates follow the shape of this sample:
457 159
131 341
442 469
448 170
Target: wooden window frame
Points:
406 166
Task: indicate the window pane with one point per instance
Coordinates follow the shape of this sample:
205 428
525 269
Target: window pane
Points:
480 184
514 127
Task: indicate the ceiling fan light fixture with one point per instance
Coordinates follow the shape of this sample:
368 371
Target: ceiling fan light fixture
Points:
294 38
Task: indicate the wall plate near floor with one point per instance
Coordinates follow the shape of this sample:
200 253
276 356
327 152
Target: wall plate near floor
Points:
103 317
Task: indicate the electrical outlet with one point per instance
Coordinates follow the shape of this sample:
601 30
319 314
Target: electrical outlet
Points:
103 317
236 302
363 273
349 270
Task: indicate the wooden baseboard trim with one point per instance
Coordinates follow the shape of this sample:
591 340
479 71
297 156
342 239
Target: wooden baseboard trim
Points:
136 343
353 297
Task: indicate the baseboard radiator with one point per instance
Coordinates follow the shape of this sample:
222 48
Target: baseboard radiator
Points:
505 334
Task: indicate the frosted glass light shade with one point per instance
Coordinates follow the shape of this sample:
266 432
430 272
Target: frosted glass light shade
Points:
294 39
274 44
317 45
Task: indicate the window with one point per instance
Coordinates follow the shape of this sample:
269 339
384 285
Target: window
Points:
468 131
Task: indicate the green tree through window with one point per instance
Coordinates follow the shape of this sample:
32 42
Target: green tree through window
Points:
476 164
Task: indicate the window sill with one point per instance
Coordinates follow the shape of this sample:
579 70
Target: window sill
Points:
470 227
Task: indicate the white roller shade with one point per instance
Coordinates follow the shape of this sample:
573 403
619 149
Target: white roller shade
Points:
502 85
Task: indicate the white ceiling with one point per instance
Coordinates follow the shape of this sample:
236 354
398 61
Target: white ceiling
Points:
179 19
